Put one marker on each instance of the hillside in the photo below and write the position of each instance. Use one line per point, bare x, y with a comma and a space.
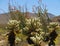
50, 15
56, 19
5, 17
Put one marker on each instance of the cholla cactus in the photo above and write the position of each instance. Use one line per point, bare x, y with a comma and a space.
33, 24
38, 38
13, 24
34, 28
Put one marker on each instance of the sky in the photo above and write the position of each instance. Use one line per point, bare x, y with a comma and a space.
53, 6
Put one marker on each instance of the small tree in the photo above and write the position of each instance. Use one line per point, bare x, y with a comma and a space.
13, 26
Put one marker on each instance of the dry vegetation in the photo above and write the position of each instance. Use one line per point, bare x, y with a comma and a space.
24, 26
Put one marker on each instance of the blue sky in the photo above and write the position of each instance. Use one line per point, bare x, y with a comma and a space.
53, 6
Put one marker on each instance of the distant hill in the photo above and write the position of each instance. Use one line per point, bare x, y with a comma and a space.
4, 18
56, 19
50, 15
34, 15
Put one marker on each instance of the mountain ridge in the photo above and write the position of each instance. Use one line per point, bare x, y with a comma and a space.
4, 18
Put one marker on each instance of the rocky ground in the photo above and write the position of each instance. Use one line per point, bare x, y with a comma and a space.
4, 42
